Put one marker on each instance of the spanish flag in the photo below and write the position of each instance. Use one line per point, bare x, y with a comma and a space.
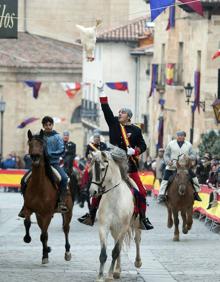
169, 74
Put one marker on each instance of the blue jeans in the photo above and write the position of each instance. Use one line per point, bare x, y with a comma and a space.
64, 177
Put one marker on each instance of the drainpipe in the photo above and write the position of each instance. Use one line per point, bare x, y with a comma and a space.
137, 89
25, 15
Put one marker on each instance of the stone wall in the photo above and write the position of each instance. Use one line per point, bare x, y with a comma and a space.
197, 34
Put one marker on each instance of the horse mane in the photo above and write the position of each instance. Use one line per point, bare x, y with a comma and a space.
120, 157
48, 169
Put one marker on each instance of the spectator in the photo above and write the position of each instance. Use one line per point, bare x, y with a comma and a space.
160, 165
27, 161
203, 168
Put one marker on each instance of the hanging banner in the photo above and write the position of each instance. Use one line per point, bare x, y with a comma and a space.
8, 19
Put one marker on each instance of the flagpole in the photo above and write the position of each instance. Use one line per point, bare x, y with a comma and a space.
192, 124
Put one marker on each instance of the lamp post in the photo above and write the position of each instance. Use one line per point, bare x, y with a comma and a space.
188, 91
2, 110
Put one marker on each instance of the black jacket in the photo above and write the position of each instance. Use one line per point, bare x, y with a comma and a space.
133, 132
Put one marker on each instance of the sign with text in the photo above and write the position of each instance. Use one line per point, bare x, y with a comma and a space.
8, 18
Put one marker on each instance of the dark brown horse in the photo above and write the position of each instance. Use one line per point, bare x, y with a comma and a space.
180, 198
41, 196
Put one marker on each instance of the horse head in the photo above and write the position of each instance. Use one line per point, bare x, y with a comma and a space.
36, 147
182, 180
99, 167
183, 162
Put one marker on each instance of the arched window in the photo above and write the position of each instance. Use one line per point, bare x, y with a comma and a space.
76, 116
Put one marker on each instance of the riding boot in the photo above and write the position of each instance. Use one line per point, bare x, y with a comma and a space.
145, 223
212, 200
196, 187
23, 190
89, 218
196, 197
62, 208
162, 197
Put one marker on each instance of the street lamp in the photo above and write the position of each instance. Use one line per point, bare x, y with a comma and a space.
2, 110
188, 91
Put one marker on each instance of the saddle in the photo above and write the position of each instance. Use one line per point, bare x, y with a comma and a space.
56, 175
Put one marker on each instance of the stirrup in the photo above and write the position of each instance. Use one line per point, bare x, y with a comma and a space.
86, 219
161, 199
145, 224
196, 197
62, 208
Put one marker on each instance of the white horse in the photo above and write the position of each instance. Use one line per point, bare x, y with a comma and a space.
116, 210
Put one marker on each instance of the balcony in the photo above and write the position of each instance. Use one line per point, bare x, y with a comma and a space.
89, 110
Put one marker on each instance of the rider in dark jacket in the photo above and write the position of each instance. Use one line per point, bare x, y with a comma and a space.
69, 152
134, 146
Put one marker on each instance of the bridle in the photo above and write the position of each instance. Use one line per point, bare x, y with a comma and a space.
101, 188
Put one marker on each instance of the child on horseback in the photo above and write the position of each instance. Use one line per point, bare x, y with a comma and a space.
54, 148
127, 136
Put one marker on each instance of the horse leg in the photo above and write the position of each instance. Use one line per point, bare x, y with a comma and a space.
103, 254
66, 228
137, 240
116, 251
117, 271
27, 224
176, 223
170, 219
184, 228
189, 221
43, 224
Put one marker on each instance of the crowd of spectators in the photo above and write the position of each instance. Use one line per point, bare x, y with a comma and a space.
206, 168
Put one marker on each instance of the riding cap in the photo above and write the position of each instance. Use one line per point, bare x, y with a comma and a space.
181, 133
66, 133
128, 111
96, 133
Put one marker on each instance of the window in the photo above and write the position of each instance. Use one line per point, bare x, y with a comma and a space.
76, 116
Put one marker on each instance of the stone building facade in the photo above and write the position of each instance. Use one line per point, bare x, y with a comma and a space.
33, 56
189, 46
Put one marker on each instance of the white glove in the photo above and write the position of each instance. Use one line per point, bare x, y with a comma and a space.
130, 151
100, 87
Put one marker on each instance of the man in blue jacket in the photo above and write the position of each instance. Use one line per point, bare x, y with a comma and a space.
55, 149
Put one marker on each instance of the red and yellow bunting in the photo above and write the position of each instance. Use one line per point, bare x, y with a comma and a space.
147, 179
213, 213
11, 177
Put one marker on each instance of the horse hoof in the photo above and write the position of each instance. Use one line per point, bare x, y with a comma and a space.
109, 279
170, 224
116, 275
27, 239
185, 230
100, 279
176, 238
45, 260
189, 227
49, 249
68, 256
138, 263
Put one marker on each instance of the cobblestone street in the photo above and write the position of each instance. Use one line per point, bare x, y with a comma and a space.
194, 258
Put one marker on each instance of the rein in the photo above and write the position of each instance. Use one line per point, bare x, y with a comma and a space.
100, 184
